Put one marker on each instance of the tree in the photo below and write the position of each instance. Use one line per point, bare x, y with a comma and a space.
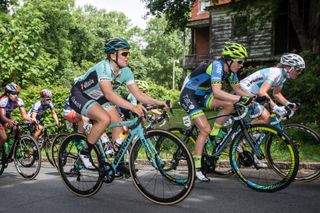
177, 12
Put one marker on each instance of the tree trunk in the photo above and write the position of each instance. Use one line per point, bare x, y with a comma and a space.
297, 22
314, 25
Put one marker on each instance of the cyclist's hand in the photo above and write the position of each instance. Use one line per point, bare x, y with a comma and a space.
58, 125
245, 100
139, 110
292, 106
280, 110
11, 123
262, 100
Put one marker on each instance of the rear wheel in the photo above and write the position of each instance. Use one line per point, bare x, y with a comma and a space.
155, 170
27, 157
77, 178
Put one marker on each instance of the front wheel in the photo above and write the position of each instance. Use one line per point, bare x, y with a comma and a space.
57, 141
307, 141
271, 166
27, 157
155, 170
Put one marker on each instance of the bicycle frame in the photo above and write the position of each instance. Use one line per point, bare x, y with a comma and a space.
136, 130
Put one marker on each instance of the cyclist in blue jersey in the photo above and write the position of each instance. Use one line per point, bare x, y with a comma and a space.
264, 80
9, 101
38, 109
204, 89
98, 87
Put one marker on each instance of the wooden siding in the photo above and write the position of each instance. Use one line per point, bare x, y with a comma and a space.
258, 43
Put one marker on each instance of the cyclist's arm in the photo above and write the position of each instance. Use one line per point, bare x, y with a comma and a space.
55, 117
4, 118
142, 97
113, 97
221, 94
24, 115
264, 89
278, 95
239, 91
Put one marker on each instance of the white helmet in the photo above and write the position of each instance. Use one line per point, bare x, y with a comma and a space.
293, 60
45, 93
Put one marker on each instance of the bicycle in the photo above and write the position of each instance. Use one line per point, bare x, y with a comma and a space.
147, 165
256, 152
307, 141
24, 151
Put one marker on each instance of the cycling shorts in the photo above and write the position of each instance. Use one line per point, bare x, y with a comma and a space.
81, 103
193, 104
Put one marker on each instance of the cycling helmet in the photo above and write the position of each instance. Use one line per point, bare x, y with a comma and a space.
293, 60
12, 87
234, 51
143, 85
115, 44
45, 93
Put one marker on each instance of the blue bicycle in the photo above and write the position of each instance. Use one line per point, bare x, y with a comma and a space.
152, 153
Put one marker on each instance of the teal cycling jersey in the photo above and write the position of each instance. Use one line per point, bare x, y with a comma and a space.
273, 75
89, 82
204, 76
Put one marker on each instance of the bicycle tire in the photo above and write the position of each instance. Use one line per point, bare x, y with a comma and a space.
221, 165
27, 156
47, 147
2, 164
307, 141
78, 180
266, 175
57, 141
176, 183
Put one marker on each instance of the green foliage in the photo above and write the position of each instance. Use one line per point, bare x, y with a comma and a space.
305, 88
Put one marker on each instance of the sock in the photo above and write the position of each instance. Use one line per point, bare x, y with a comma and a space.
215, 129
197, 161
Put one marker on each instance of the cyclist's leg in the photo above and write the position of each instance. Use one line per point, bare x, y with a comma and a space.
3, 136
226, 107
264, 118
37, 131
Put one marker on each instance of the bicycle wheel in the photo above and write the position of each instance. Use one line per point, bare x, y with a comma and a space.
307, 141
158, 175
27, 156
47, 147
2, 164
79, 180
279, 165
57, 141
220, 166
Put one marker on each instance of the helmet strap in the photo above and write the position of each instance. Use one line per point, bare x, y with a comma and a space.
289, 71
116, 61
229, 65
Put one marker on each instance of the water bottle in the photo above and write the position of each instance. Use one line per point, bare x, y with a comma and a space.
274, 121
106, 142
120, 140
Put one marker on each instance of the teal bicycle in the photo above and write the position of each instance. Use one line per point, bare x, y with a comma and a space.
148, 164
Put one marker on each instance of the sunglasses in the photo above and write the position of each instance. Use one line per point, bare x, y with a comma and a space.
298, 70
240, 62
125, 54
14, 93
47, 99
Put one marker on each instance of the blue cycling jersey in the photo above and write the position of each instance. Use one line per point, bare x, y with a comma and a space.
205, 75
39, 108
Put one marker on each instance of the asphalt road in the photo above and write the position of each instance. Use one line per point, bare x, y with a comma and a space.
47, 194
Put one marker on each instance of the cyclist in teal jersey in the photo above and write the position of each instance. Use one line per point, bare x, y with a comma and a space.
204, 89
262, 81
97, 87
9, 101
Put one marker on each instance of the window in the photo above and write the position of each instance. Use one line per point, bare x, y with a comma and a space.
203, 5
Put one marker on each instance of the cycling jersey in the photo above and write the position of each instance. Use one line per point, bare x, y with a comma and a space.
9, 106
87, 90
40, 109
273, 75
66, 107
196, 92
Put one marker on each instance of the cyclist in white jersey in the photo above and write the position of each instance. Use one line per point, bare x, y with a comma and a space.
264, 80
40, 107
97, 87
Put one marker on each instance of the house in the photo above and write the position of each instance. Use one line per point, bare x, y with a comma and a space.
213, 25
